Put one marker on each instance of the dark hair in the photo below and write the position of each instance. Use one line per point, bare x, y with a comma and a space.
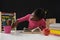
39, 13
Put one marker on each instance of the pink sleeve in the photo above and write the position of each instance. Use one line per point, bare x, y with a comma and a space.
43, 23
25, 18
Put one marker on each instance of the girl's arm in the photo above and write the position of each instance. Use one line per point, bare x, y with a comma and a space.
43, 24
25, 18
45, 30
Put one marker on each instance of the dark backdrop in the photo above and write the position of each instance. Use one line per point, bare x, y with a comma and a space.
23, 7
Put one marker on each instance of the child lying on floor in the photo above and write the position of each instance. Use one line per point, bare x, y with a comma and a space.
36, 20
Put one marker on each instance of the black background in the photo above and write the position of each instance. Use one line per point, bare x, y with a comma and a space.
23, 7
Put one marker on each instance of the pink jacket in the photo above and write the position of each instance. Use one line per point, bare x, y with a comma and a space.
33, 24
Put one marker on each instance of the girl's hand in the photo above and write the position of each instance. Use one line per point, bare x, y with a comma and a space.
46, 31
14, 24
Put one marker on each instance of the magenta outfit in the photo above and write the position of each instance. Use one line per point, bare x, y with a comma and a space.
33, 24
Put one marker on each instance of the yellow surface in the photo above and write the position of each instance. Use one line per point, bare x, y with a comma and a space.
57, 32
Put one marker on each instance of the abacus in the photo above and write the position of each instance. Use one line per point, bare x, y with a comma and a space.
5, 16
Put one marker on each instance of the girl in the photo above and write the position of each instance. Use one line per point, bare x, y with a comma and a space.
36, 20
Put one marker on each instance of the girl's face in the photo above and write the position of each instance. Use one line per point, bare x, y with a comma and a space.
34, 17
